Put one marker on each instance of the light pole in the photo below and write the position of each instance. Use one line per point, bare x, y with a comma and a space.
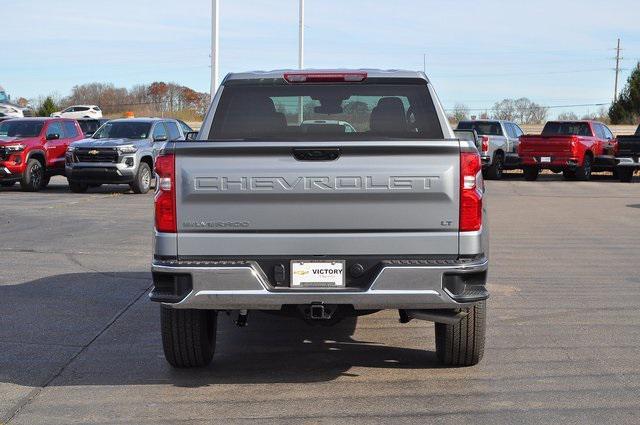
301, 56
301, 35
215, 26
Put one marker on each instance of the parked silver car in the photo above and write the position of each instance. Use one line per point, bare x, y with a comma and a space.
498, 142
120, 152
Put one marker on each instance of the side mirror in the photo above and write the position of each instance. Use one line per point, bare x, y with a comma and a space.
53, 136
160, 139
191, 135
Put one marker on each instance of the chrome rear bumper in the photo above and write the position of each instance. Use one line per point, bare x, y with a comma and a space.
628, 162
245, 286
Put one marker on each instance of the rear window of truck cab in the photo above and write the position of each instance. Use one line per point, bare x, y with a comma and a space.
342, 111
483, 128
566, 129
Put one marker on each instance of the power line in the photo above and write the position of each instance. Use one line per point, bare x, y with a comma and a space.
536, 106
575, 71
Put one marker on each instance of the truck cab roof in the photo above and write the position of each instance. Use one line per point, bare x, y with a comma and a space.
278, 74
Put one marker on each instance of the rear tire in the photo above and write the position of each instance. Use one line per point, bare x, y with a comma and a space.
494, 172
142, 183
584, 173
462, 344
188, 336
33, 176
77, 187
531, 173
625, 174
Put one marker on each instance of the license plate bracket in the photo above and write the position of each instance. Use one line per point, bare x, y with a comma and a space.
322, 274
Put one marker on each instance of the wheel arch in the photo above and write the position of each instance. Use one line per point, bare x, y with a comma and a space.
588, 153
147, 159
38, 154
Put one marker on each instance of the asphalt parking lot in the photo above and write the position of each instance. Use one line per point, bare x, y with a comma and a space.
80, 342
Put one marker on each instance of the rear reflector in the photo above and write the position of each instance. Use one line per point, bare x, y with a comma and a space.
325, 77
165, 199
471, 192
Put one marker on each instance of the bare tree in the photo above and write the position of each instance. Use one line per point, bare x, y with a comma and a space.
538, 115
523, 111
602, 115
504, 110
567, 116
459, 113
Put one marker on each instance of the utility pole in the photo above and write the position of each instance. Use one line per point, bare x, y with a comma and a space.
301, 35
615, 89
424, 63
301, 56
215, 27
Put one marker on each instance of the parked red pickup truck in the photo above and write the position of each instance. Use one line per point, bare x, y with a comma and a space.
574, 147
33, 149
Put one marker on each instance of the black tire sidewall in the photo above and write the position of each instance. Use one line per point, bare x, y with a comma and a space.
27, 183
494, 172
531, 173
626, 175
584, 173
188, 336
138, 185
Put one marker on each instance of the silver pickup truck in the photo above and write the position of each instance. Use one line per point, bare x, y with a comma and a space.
263, 213
498, 145
121, 151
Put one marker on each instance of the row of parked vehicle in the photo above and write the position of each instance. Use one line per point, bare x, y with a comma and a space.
92, 152
89, 152
573, 148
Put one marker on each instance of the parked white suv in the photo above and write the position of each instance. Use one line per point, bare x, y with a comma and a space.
79, 111
11, 111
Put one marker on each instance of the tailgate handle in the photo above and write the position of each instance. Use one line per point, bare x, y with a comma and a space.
316, 154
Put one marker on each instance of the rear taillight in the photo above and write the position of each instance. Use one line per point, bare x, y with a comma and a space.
165, 199
325, 77
574, 143
471, 191
485, 143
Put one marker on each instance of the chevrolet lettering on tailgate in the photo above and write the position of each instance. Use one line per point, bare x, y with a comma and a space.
315, 183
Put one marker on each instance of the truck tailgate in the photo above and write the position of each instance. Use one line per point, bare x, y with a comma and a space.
248, 198
629, 146
533, 145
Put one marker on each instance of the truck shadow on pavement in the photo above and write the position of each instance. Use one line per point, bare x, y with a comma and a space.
63, 188
101, 329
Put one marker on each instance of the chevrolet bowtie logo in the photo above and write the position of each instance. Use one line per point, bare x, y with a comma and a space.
93, 152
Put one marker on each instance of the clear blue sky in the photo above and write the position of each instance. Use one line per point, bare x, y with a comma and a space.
478, 52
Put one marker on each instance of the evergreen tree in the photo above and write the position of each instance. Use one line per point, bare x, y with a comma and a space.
626, 110
47, 108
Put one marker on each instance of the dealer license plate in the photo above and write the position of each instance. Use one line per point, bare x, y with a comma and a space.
545, 159
317, 274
